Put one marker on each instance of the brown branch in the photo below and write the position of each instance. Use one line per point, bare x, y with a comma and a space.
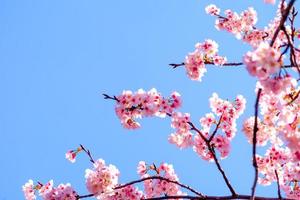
106, 96
212, 151
199, 195
254, 141
213, 197
84, 196
175, 65
216, 129
278, 185
282, 21
163, 179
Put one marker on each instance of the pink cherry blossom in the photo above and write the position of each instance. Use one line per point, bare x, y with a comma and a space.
263, 61
142, 168
131, 106
205, 53
157, 187
28, 190
212, 9
270, 1
129, 193
102, 178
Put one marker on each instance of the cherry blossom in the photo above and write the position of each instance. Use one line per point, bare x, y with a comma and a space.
28, 190
143, 104
157, 187
263, 61
205, 53
102, 178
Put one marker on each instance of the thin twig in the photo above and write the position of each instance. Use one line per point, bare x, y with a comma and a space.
106, 96
216, 129
254, 141
88, 153
175, 65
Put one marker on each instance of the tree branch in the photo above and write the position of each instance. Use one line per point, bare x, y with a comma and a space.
278, 185
213, 197
175, 65
283, 19
163, 179
254, 141
212, 151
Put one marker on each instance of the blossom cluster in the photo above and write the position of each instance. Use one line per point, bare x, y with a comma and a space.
263, 61
228, 113
279, 127
182, 138
277, 160
238, 24
158, 187
142, 104
102, 179
49, 192
205, 53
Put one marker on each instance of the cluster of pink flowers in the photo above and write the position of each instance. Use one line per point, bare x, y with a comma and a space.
219, 142
183, 138
270, 1
279, 159
278, 84
29, 190
205, 53
228, 113
158, 187
102, 179
281, 115
212, 10
142, 104
48, 192
129, 193
280, 127
71, 154
263, 61
235, 23
264, 133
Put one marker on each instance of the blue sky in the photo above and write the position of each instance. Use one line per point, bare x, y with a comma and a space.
59, 56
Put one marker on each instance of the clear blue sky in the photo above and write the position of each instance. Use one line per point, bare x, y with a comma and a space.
58, 56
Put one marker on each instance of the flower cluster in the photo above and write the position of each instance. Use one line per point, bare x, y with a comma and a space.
142, 104
182, 137
228, 113
263, 61
71, 154
235, 23
212, 10
279, 159
48, 192
158, 187
129, 193
102, 179
205, 53
264, 133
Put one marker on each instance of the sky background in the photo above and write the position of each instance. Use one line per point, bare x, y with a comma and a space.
59, 56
